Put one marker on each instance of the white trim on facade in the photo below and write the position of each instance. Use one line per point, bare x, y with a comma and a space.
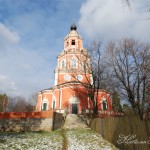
69, 87
60, 99
41, 103
74, 100
53, 102
56, 78
103, 100
45, 100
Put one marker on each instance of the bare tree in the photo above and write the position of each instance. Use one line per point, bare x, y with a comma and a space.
11, 104
98, 73
126, 2
94, 72
33, 99
145, 8
116, 102
129, 62
19, 104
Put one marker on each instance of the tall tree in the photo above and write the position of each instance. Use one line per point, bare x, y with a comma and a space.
93, 65
129, 62
116, 105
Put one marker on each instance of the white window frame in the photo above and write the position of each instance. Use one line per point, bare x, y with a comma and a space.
54, 100
45, 100
74, 63
103, 100
63, 64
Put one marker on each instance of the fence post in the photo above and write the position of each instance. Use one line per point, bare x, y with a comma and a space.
53, 122
101, 128
147, 129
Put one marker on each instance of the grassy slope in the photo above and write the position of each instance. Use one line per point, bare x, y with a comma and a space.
65, 139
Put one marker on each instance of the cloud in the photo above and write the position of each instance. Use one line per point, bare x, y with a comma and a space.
26, 66
31, 37
2, 77
21, 69
9, 40
8, 36
111, 20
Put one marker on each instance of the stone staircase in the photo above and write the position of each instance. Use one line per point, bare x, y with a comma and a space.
73, 121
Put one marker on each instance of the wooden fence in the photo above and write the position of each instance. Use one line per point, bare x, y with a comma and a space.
127, 133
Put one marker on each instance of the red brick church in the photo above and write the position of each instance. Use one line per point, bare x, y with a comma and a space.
68, 91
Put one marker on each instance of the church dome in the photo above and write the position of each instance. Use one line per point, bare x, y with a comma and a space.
73, 27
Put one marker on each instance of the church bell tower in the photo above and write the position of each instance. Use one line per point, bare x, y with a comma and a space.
73, 61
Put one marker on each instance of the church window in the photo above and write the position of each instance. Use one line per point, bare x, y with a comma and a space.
73, 42
104, 103
63, 64
74, 63
104, 106
53, 102
44, 106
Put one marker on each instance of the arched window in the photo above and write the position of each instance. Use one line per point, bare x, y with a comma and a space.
53, 102
103, 103
45, 104
63, 64
74, 63
73, 42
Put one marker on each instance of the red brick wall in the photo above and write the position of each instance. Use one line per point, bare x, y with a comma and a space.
13, 115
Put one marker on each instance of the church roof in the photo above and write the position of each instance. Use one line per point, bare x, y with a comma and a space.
73, 32
48, 89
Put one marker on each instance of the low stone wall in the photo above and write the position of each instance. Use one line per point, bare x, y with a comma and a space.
26, 121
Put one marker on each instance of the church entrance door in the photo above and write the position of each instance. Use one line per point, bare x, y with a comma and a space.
74, 108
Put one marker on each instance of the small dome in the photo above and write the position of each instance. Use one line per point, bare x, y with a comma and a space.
73, 27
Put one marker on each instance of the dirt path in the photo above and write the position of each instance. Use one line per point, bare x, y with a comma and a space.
65, 141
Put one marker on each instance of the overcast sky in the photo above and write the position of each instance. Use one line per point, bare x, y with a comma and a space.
32, 34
